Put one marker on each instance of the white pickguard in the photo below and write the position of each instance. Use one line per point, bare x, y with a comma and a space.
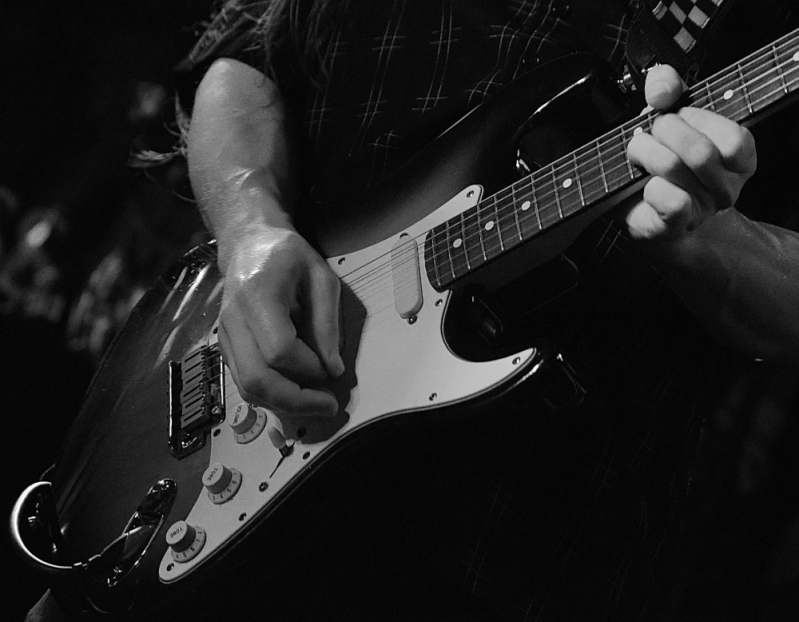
399, 365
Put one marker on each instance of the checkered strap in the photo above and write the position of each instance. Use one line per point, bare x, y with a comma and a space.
685, 20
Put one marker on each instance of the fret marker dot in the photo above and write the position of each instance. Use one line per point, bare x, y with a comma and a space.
796, 57
728, 94
525, 206
457, 243
567, 183
489, 225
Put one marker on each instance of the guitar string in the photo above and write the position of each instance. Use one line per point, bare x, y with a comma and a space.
377, 277
548, 188
765, 56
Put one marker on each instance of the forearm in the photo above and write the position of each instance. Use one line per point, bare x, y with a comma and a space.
741, 279
240, 153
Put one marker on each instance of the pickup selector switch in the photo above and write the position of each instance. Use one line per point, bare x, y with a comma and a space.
185, 541
221, 482
247, 423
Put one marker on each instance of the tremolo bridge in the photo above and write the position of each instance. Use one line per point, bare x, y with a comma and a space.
196, 399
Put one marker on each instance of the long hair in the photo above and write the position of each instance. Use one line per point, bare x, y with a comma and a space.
301, 29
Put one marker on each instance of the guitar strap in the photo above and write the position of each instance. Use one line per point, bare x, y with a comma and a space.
672, 32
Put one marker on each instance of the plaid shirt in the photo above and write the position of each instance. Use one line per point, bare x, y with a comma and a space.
573, 518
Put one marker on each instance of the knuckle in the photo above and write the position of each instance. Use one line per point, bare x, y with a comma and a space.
701, 153
278, 351
672, 165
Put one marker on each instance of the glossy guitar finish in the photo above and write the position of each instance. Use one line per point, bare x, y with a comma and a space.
442, 223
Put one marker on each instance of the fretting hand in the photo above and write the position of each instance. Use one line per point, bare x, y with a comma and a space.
699, 161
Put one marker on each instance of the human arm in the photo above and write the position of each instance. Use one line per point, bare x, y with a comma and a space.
739, 277
279, 316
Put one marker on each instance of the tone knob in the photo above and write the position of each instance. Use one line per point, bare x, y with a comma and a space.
185, 541
247, 423
221, 482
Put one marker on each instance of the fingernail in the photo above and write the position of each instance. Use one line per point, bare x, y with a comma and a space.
336, 364
659, 93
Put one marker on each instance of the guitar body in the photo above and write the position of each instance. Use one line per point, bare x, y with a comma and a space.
403, 379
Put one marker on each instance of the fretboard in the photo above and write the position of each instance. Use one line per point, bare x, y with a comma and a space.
593, 174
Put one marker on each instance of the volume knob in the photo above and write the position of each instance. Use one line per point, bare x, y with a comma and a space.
221, 482
185, 541
247, 423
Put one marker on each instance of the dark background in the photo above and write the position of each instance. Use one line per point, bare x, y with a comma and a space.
83, 84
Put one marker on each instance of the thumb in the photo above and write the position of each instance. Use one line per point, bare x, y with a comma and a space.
663, 87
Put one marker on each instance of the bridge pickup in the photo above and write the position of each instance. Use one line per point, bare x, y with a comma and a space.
196, 399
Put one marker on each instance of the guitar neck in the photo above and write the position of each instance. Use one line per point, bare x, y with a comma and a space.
590, 176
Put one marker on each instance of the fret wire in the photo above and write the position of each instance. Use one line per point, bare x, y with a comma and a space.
742, 80
449, 242
555, 191
464, 240
603, 174
480, 233
777, 68
577, 178
516, 212
498, 225
435, 243
786, 81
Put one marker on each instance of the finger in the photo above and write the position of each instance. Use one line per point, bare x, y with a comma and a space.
324, 292
261, 385
665, 210
651, 154
281, 347
663, 87
735, 143
674, 206
699, 154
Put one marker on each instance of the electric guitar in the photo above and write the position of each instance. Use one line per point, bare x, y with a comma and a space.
167, 476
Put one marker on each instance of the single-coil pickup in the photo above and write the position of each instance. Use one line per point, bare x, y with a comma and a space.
406, 277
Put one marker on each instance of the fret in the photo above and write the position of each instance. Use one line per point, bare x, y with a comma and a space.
505, 209
577, 180
515, 207
489, 229
529, 217
778, 68
555, 193
601, 167
765, 81
593, 185
744, 89
710, 97
787, 56
617, 169
437, 255
567, 194
455, 248
727, 92
472, 238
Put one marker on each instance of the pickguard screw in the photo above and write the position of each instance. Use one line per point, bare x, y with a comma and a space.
412, 319
242, 516
263, 486
433, 397
517, 360
439, 302
341, 261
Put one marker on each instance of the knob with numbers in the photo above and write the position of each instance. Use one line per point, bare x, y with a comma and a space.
185, 541
221, 482
247, 423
